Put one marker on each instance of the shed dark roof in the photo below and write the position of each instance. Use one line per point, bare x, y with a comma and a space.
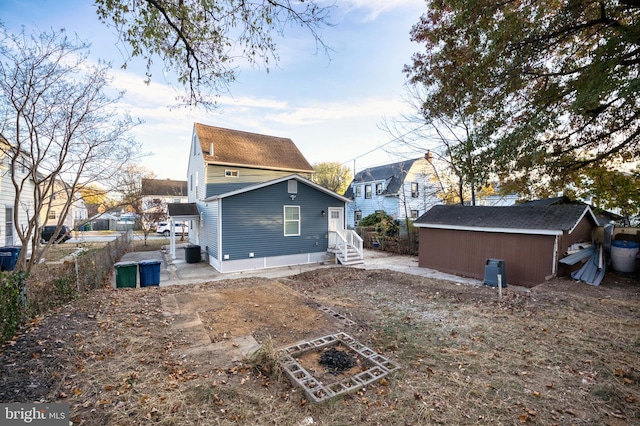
182, 209
553, 218
235, 147
164, 187
548, 201
603, 216
395, 173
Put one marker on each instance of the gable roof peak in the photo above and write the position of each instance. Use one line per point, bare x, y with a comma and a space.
240, 148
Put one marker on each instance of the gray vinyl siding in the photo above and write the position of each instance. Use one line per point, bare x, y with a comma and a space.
209, 229
195, 171
253, 222
218, 183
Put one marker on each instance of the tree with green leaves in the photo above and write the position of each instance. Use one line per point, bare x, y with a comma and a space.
202, 41
611, 189
333, 176
551, 87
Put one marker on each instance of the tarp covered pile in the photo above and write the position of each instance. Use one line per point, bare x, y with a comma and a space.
593, 269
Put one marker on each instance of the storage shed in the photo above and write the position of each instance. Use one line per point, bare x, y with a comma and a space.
530, 239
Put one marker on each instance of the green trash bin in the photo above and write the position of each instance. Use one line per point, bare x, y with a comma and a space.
126, 273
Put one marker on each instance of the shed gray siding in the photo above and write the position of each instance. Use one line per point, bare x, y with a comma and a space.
209, 228
218, 183
253, 222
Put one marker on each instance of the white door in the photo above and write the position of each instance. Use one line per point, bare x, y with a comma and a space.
336, 224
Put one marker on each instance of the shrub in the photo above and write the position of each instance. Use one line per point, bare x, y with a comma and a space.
12, 302
384, 225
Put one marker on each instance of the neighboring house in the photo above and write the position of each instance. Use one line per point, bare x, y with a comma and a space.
253, 205
496, 198
161, 192
77, 214
403, 189
8, 222
104, 222
530, 239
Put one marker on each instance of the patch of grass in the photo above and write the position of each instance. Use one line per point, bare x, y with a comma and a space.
267, 361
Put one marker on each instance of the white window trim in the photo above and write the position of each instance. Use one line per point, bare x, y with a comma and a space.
285, 221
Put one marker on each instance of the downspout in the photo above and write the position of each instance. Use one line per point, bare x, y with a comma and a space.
172, 239
554, 267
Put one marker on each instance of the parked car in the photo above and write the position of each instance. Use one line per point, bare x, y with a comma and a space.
165, 229
47, 233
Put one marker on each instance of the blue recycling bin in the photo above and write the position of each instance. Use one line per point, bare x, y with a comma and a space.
9, 258
149, 272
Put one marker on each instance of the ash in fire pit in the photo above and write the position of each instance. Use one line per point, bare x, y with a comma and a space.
336, 361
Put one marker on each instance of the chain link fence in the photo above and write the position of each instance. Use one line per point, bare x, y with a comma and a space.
51, 285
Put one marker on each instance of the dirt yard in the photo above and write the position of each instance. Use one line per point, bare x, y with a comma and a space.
562, 353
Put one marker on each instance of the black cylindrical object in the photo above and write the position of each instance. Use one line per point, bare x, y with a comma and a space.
192, 254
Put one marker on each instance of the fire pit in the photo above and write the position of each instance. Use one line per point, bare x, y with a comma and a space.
333, 365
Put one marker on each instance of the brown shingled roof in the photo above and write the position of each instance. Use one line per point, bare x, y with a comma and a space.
234, 147
167, 187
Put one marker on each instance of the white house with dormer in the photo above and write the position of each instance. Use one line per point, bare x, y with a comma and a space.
406, 189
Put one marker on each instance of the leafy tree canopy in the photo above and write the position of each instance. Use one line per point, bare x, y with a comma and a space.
200, 40
333, 176
550, 86
612, 190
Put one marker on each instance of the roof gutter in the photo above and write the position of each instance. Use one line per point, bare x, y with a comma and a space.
489, 229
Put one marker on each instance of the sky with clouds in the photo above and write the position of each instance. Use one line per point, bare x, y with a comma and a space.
332, 107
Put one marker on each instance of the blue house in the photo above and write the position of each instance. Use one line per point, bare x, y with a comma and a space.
405, 189
253, 204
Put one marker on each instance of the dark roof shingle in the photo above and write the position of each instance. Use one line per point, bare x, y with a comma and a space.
395, 173
182, 209
556, 218
235, 147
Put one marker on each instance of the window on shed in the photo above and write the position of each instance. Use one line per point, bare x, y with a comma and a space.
357, 216
231, 173
414, 190
291, 221
378, 188
367, 191
358, 190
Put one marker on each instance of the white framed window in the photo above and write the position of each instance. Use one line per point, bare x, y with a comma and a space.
291, 221
414, 190
357, 216
358, 191
367, 191
414, 214
231, 173
378, 188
